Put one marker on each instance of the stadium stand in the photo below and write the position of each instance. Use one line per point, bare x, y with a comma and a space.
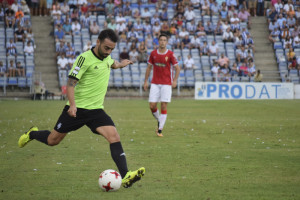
131, 20
283, 18
16, 59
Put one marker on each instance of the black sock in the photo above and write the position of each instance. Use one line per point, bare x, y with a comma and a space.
41, 136
119, 157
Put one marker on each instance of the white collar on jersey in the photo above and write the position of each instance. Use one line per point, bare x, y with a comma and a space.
162, 53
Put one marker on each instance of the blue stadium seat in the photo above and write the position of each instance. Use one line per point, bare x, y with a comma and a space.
22, 82
12, 81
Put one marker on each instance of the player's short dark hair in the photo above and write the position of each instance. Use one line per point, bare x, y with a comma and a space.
163, 35
110, 34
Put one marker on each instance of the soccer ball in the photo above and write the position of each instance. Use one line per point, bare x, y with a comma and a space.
110, 180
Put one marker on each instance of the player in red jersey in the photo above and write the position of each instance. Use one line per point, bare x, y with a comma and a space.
162, 60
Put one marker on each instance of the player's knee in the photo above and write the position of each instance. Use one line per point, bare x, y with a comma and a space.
53, 142
153, 107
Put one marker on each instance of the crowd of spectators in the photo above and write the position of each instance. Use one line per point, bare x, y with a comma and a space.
284, 19
198, 30
17, 41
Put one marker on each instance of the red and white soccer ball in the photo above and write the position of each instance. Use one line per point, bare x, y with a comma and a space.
110, 180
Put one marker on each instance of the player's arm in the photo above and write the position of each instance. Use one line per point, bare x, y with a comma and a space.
177, 71
70, 94
122, 64
147, 74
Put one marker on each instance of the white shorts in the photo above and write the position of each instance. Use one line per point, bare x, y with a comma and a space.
160, 93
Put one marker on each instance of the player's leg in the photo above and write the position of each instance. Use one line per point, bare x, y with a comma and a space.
154, 97
166, 94
103, 125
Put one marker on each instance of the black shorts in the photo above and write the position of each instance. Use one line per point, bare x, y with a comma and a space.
92, 118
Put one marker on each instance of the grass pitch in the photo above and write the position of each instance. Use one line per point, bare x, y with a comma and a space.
213, 150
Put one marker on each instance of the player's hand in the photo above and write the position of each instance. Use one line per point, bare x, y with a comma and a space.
72, 111
126, 62
174, 84
145, 86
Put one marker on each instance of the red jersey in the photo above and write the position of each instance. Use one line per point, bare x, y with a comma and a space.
162, 66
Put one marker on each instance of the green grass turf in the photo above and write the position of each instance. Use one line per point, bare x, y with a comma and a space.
211, 150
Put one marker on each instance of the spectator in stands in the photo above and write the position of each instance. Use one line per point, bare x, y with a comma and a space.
74, 15
142, 50
62, 62
218, 29
156, 28
132, 36
19, 35
84, 9
274, 36
133, 55
273, 25
186, 42
76, 28
292, 64
149, 41
209, 28
10, 20
112, 25
243, 69
61, 49
67, 28
241, 54
28, 49
65, 8
94, 28
280, 21
204, 50
190, 27
124, 54
146, 14
97, 7
11, 48
298, 63
69, 51
71, 61
189, 63
258, 76
291, 21
195, 42
189, 14
291, 55
225, 74
227, 36
3, 71
20, 69
123, 37
215, 70
165, 29
295, 32
223, 61
285, 33
244, 16
251, 68
109, 7
213, 48
249, 43
127, 10
87, 46
296, 42
121, 27
183, 33
29, 36
59, 34
297, 15
234, 70
287, 42
205, 9
24, 7
55, 11
43, 7
11, 69
19, 13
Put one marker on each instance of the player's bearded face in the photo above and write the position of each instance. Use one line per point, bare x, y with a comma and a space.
105, 48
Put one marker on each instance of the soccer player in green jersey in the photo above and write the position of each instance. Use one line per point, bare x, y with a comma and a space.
86, 89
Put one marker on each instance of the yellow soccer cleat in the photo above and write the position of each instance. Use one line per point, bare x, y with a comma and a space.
132, 177
24, 139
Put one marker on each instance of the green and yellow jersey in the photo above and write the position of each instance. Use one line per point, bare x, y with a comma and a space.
92, 74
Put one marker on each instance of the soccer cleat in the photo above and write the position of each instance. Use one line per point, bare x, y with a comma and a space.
158, 133
132, 177
24, 139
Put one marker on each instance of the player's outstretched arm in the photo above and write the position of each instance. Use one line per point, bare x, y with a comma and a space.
147, 74
177, 71
122, 64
